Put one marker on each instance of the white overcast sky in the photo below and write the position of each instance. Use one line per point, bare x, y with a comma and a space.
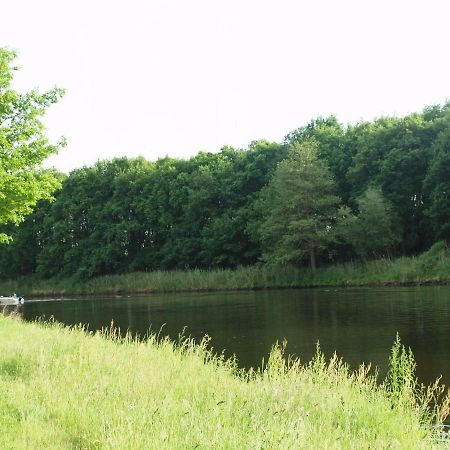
172, 77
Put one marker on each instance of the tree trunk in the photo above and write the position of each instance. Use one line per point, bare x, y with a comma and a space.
312, 255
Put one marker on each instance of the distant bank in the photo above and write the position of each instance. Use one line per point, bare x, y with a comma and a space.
432, 267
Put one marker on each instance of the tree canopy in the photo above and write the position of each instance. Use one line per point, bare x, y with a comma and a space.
372, 231
23, 147
300, 208
437, 184
268, 203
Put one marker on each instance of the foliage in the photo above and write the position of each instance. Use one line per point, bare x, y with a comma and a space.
124, 215
401, 380
437, 257
226, 209
300, 207
23, 147
437, 183
395, 154
332, 148
405, 390
372, 230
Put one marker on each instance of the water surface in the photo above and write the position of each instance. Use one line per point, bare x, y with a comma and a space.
359, 323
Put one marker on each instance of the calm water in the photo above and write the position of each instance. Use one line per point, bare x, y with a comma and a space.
360, 324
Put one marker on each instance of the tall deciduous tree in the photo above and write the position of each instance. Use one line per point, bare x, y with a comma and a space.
437, 183
23, 147
301, 208
373, 230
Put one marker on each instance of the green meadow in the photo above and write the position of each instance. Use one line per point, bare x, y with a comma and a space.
65, 388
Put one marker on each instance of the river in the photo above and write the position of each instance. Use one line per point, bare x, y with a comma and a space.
360, 324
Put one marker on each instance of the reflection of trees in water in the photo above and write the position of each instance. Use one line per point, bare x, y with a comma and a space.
359, 323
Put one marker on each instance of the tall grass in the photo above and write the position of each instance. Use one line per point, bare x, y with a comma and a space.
430, 267
63, 388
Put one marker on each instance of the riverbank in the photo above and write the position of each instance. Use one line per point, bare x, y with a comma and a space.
432, 267
63, 388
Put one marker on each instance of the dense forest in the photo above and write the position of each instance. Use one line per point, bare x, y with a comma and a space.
327, 193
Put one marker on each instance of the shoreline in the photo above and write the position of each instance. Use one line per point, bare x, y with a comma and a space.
119, 293
254, 289
64, 288
429, 268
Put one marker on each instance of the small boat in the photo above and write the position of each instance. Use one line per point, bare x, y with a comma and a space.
13, 300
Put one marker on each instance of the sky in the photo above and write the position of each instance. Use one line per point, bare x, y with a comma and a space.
174, 77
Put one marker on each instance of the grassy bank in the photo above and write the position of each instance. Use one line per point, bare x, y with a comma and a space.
430, 267
62, 388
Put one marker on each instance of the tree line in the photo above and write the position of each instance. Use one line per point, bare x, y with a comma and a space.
327, 193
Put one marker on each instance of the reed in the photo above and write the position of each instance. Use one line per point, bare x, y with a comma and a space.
64, 388
430, 267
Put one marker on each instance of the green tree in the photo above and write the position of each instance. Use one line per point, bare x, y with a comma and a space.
23, 147
301, 208
19, 258
437, 183
373, 230
93, 227
330, 137
394, 153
